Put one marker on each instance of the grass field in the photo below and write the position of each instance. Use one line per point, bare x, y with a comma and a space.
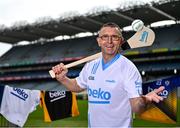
36, 119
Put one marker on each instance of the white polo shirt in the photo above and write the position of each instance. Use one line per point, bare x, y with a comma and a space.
109, 87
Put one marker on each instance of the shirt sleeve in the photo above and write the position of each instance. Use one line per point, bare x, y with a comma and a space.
133, 83
82, 78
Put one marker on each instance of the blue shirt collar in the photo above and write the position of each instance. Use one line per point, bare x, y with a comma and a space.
104, 66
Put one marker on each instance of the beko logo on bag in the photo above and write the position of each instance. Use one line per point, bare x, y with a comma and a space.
101, 96
57, 95
20, 93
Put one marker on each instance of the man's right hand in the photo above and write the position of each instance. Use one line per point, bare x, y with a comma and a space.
60, 71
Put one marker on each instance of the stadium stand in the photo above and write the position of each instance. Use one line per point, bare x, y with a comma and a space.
23, 64
168, 37
27, 66
51, 51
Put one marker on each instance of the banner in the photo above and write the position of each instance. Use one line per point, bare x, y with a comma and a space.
166, 110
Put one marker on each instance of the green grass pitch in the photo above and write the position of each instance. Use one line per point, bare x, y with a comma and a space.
35, 119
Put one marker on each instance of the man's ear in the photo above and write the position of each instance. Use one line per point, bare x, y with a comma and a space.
122, 40
98, 41
99, 44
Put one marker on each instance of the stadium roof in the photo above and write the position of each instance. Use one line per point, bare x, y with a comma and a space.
50, 28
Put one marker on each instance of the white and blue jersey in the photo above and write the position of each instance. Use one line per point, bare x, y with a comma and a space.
109, 87
18, 103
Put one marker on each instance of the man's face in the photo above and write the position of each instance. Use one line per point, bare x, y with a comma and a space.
109, 40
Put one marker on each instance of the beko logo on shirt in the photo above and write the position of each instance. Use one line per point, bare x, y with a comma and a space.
103, 97
57, 95
20, 93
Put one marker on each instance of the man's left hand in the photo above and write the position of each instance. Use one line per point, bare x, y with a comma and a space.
153, 96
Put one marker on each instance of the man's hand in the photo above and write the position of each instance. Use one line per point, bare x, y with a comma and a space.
139, 104
60, 71
153, 96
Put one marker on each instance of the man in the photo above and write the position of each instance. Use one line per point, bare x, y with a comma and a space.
112, 81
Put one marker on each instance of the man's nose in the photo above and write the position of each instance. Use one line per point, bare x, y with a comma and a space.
110, 39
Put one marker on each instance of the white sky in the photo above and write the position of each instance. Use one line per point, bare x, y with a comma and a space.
16, 10
12, 11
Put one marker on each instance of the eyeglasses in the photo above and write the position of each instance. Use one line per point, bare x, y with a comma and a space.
113, 37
